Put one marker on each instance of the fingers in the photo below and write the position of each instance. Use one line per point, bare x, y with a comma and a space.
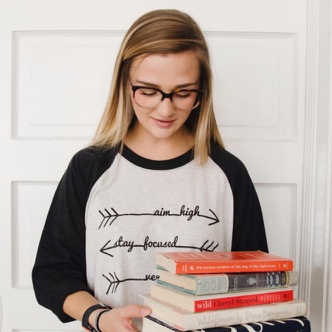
134, 311
120, 319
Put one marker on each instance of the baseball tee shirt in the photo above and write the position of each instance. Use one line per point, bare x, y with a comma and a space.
114, 210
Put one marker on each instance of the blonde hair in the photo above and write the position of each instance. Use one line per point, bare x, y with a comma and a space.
161, 31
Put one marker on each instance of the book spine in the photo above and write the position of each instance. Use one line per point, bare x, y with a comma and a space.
208, 319
232, 267
245, 315
212, 285
232, 282
244, 281
204, 287
296, 324
242, 300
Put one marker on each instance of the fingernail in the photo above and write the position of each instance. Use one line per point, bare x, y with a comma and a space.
145, 311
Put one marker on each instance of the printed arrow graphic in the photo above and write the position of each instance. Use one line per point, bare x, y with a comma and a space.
110, 216
107, 248
114, 281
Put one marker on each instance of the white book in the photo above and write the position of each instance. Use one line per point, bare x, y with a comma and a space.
187, 320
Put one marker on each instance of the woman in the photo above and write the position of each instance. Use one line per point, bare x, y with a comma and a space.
155, 178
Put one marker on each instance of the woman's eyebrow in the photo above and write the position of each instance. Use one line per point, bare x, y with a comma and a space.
152, 85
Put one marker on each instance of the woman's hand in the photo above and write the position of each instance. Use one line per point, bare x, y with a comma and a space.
120, 319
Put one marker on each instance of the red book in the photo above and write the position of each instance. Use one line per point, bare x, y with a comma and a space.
199, 303
222, 262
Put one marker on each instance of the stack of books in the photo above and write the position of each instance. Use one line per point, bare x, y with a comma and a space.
225, 291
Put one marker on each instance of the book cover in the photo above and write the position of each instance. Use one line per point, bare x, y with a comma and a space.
222, 262
186, 320
296, 324
213, 283
199, 303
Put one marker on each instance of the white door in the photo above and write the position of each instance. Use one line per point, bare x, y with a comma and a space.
55, 69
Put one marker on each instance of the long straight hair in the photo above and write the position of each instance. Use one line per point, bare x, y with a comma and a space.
163, 31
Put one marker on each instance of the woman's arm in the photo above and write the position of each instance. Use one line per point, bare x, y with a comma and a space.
60, 265
115, 320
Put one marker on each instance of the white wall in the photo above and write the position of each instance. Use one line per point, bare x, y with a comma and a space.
318, 167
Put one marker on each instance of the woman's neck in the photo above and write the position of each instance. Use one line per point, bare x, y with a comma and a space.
159, 149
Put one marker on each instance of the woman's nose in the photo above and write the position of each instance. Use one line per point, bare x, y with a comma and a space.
166, 108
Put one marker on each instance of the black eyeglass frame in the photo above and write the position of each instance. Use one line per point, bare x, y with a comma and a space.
170, 95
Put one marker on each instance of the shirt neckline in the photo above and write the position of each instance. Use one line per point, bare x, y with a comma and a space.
167, 164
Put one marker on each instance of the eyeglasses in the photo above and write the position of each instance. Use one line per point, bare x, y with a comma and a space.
183, 99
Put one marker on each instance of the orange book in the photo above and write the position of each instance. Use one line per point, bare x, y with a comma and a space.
222, 262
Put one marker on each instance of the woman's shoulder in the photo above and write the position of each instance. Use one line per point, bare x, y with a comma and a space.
234, 169
93, 158
95, 153
224, 158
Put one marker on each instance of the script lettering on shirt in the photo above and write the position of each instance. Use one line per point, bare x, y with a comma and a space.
159, 244
121, 243
189, 212
162, 212
151, 277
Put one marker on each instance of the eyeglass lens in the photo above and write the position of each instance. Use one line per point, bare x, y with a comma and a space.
181, 99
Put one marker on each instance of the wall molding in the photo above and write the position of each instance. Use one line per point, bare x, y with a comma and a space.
316, 234
30, 203
275, 119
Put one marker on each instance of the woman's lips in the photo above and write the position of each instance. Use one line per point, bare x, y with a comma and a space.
164, 123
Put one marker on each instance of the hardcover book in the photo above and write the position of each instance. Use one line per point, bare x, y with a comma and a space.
201, 284
296, 324
222, 262
187, 320
198, 303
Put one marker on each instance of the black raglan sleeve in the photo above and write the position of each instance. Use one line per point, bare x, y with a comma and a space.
60, 265
248, 224
249, 229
